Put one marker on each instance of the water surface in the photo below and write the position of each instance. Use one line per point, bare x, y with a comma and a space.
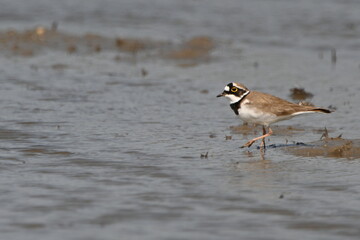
106, 143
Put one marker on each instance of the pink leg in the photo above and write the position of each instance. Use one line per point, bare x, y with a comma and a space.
249, 143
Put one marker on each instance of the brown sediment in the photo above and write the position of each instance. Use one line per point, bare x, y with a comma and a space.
328, 147
335, 147
71, 49
31, 42
193, 50
129, 45
97, 48
299, 94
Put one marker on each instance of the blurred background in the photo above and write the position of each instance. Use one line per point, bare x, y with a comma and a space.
110, 128
308, 24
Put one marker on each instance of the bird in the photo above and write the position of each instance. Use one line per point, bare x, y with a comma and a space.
262, 108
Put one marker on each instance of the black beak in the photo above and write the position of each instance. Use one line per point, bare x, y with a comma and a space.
221, 95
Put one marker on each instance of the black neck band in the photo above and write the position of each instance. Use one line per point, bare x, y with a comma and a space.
236, 105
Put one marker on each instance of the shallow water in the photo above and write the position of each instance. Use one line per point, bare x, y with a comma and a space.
116, 144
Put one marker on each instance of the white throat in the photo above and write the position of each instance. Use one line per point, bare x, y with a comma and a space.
234, 99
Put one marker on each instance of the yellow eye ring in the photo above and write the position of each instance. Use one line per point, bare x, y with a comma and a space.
234, 89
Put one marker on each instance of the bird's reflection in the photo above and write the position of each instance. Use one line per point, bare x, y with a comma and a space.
256, 172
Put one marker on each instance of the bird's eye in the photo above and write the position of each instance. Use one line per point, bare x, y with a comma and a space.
234, 89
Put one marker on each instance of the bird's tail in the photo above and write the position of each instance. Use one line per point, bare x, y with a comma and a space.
321, 110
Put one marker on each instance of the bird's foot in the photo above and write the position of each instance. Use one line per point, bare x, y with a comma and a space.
248, 144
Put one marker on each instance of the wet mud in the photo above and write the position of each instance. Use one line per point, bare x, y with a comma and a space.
331, 147
328, 147
31, 42
193, 51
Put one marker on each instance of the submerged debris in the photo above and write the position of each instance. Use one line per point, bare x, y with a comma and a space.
212, 135
228, 137
300, 94
144, 72
326, 136
333, 56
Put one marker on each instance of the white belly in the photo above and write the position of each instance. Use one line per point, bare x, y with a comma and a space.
251, 115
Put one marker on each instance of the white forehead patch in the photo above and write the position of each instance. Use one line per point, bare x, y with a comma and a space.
238, 86
227, 88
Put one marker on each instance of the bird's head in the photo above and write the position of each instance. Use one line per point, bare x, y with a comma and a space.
234, 91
